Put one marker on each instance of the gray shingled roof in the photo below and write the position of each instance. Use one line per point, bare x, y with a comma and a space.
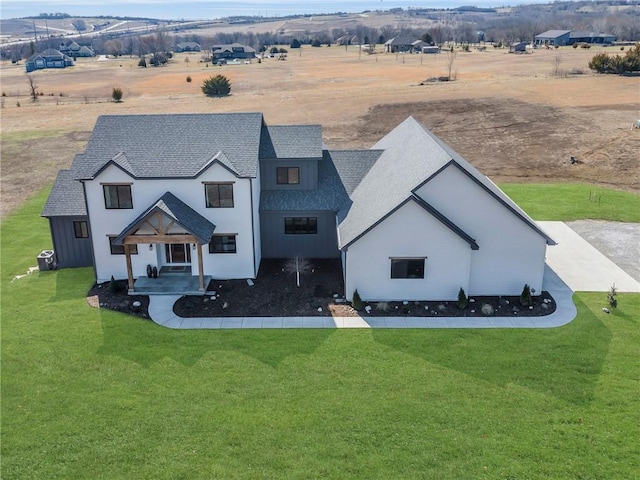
175, 145
353, 165
66, 197
291, 141
412, 154
178, 211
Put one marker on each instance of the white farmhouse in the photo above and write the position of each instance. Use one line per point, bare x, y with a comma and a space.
211, 195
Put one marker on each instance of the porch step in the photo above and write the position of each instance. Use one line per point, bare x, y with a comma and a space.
169, 285
174, 270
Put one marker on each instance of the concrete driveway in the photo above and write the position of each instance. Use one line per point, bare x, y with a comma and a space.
581, 266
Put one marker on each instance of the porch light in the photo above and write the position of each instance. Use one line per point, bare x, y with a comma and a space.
193, 246
151, 246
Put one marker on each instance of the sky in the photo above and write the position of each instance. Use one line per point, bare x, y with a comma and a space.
207, 9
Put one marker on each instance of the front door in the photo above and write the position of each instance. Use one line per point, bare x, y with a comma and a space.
177, 253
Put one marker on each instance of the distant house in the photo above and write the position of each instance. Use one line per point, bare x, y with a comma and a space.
50, 58
74, 50
347, 40
553, 38
409, 218
431, 49
231, 52
518, 47
187, 47
400, 44
591, 37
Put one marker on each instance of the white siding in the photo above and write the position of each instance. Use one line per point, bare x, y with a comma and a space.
511, 253
236, 220
255, 185
409, 232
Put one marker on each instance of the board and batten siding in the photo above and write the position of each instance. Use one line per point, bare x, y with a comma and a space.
277, 244
308, 174
70, 251
409, 232
511, 252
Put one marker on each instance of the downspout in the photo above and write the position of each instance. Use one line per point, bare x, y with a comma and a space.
253, 233
93, 253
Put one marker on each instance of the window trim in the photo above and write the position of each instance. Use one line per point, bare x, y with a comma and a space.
288, 175
222, 244
217, 184
132, 251
81, 227
294, 231
118, 207
407, 259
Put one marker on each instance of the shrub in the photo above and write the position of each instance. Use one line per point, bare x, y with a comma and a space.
282, 50
142, 62
585, 45
188, 78
316, 43
356, 301
295, 43
463, 301
383, 306
216, 86
116, 94
575, 45
113, 285
630, 62
487, 310
611, 296
273, 50
525, 296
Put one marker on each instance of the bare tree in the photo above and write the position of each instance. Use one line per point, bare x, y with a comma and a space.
33, 88
451, 58
298, 266
557, 61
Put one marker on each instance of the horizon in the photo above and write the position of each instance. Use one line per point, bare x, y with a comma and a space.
204, 10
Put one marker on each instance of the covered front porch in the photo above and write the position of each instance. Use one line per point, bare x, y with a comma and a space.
171, 281
172, 224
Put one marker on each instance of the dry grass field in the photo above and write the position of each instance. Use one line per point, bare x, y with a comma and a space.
510, 115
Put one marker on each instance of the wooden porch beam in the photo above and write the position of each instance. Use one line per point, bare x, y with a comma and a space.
200, 268
137, 239
127, 254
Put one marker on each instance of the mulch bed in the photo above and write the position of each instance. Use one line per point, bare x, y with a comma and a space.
274, 294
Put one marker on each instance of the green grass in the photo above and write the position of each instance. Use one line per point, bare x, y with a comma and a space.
574, 201
89, 393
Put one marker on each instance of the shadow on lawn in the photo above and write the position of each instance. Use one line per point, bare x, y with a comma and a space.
563, 362
145, 343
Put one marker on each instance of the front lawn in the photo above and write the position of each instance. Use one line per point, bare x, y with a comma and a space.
90, 393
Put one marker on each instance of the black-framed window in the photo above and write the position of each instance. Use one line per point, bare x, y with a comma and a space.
288, 175
222, 244
301, 225
119, 249
117, 196
81, 229
219, 195
407, 268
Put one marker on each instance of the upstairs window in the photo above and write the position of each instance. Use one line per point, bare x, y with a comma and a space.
117, 196
300, 225
80, 229
222, 244
219, 195
407, 267
288, 175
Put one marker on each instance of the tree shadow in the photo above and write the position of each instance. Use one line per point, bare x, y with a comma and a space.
562, 362
145, 343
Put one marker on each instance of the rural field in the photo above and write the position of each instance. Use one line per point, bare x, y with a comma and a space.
510, 115
92, 393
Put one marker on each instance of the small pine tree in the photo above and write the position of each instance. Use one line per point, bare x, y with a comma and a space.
116, 94
611, 296
525, 296
216, 86
142, 62
188, 78
356, 301
463, 301
113, 285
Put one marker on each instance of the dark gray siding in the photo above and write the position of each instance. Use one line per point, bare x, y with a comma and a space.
276, 244
69, 250
308, 174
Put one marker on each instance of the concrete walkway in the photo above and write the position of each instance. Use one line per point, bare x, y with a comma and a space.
161, 312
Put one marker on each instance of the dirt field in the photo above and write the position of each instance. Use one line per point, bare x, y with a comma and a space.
507, 114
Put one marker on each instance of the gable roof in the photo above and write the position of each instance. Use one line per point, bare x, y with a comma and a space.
179, 212
553, 33
173, 146
66, 198
401, 40
291, 141
412, 156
